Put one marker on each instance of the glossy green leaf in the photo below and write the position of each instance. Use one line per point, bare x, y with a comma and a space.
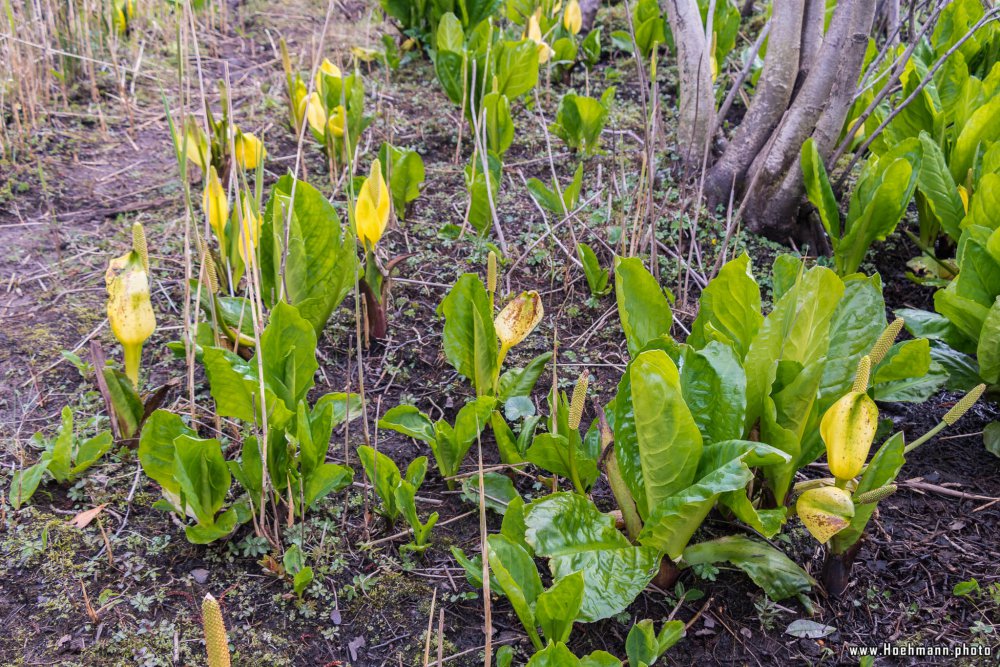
670, 443
325, 479
672, 521
714, 387
989, 345
317, 268
522, 381
24, 483
598, 278
89, 451
936, 183
499, 491
557, 607
409, 421
644, 646
519, 581
575, 536
858, 320
202, 474
729, 308
554, 655
818, 189
642, 307
403, 170
156, 448
467, 307
383, 474
767, 567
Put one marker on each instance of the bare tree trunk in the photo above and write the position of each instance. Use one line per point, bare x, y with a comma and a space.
697, 101
812, 37
820, 106
588, 8
770, 101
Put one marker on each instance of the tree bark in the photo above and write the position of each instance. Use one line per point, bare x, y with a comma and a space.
588, 8
696, 113
820, 106
812, 37
770, 101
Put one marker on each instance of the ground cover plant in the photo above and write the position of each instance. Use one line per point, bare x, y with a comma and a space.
534, 332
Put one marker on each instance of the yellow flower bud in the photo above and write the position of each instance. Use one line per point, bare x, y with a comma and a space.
250, 224
825, 511
518, 319
848, 429
216, 206
196, 145
314, 113
298, 99
371, 211
326, 68
130, 311
534, 33
573, 18
963, 194
337, 121
249, 150
216, 642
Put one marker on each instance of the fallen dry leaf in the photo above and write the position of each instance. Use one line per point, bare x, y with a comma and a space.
83, 519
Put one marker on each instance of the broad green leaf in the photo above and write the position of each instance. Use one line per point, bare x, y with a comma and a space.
91, 450
644, 310
203, 533
518, 578
908, 374
288, 348
499, 124
714, 388
470, 422
236, 390
980, 128
156, 448
937, 185
598, 278
202, 474
729, 308
403, 170
576, 536
991, 438
521, 381
409, 421
644, 647
673, 520
127, 405
499, 491
317, 268
61, 454
819, 191
858, 321
767, 567
249, 470
878, 213
989, 345
325, 479
24, 483
797, 330
557, 607
383, 474
466, 308
670, 443
516, 67
554, 655
881, 470
925, 324
600, 658
984, 209
551, 453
